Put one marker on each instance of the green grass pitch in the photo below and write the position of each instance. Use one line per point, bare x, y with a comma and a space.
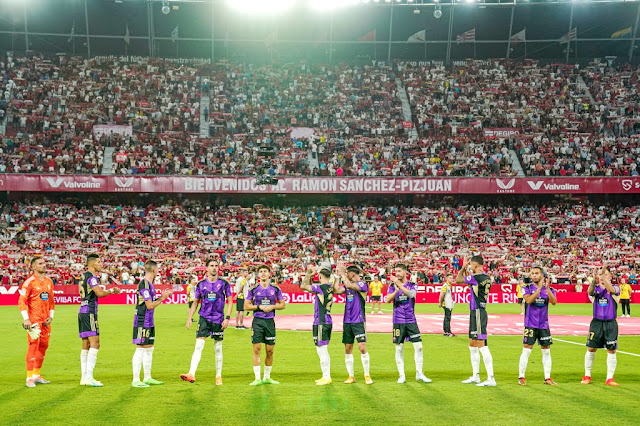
297, 400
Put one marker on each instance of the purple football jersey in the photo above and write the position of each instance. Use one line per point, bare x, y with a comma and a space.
262, 296
143, 316
403, 305
354, 304
479, 287
605, 306
537, 314
213, 296
322, 303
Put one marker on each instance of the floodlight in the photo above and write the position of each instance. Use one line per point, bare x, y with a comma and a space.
165, 7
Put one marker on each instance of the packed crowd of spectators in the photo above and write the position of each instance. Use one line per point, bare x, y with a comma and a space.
568, 238
320, 119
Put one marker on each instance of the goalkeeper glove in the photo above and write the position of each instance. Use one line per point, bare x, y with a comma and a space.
34, 331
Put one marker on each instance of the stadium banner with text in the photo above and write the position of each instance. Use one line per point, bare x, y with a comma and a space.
316, 185
501, 132
500, 293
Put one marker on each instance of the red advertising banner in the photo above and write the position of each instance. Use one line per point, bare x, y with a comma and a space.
316, 185
407, 125
68, 295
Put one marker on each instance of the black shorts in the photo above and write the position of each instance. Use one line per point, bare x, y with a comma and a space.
603, 334
356, 331
263, 331
209, 329
144, 335
376, 298
239, 305
190, 303
478, 324
406, 333
520, 300
324, 332
541, 335
88, 325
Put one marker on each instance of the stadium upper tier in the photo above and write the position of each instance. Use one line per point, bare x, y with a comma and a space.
342, 120
567, 237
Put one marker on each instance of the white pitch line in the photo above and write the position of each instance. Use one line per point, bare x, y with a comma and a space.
582, 344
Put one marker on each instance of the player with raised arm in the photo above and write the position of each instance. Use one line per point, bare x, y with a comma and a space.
264, 298
88, 329
144, 331
537, 296
322, 322
354, 322
402, 293
37, 307
213, 293
603, 331
479, 288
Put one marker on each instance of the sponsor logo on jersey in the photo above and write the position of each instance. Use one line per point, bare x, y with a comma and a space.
44, 295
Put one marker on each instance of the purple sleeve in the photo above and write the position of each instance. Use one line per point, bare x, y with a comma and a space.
553, 290
93, 281
279, 296
617, 289
391, 289
197, 294
471, 280
146, 294
363, 286
526, 290
227, 290
412, 286
315, 288
250, 295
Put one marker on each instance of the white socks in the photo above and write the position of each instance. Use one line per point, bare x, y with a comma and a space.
524, 360
348, 360
612, 361
92, 358
418, 357
488, 360
325, 361
256, 371
84, 353
217, 346
400, 359
195, 358
267, 372
475, 360
546, 363
588, 362
136, 362
147, 358
365, 363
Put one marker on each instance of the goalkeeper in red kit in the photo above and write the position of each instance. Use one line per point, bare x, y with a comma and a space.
36, 306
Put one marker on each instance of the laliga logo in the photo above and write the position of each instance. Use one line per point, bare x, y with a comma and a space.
124, 185
628, 184
506, 187
55, 182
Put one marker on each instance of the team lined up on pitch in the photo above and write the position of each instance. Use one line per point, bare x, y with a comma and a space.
214, 295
